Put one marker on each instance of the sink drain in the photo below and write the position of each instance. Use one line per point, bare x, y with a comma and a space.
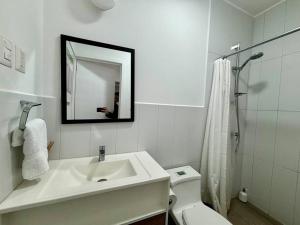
102, 180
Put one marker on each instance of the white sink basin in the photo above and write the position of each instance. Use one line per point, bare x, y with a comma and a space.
104, 171
84, 174
76, 178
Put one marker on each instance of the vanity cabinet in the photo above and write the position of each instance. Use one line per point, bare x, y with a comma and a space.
139, 196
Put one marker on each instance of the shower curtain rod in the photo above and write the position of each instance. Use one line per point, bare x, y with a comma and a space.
262, 43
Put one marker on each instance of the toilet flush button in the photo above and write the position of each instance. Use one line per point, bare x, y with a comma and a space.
180, 173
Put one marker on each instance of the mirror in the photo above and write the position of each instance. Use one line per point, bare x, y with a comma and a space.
97, 82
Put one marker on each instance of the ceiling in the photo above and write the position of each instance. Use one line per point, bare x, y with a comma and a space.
254, 7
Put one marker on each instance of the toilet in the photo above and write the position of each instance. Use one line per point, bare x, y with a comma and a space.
189, 209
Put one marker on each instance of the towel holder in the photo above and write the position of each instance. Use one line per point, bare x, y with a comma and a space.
27, 106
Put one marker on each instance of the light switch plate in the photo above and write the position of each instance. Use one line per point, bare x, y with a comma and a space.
6, 51
20, 60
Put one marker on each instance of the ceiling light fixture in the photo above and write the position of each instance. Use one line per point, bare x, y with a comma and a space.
104, 4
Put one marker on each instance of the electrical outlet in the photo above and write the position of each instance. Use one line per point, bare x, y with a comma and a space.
6, 51
20, 60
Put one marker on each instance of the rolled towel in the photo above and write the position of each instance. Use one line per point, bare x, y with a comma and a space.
35, 151
17, 138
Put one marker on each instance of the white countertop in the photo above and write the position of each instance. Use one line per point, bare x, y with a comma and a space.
50, 189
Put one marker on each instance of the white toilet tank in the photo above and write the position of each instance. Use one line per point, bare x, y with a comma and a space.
186, 184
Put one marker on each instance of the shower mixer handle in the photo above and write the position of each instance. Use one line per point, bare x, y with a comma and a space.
237, 94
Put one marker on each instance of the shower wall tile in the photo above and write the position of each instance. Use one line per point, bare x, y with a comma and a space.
237, 162
250, 131
270, 81
273, 49
103, 135
173, 135
247, 173
289, 89
166, 125
258, 30
127, 137
243, 117
187, 135
261, 184
274, 25
258, 34
297, 205
127, 134
291, 43
236, 28
287, 150
243, 81
254, 86
148, 129
274, 21
283, 193
75, 141
274, 98
292, 14
265, 135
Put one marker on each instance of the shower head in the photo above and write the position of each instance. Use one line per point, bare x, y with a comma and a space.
257, 56
253, 57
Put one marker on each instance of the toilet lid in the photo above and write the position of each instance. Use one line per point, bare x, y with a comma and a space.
202, 215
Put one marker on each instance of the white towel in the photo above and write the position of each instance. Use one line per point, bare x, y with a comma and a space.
35, 151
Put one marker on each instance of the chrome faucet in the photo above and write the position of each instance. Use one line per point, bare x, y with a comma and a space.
101, 153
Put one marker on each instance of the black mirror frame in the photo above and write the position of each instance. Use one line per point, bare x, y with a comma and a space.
63, 41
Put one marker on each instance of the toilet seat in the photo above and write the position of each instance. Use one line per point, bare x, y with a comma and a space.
201, 214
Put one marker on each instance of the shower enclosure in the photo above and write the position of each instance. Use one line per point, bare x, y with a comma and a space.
267, 130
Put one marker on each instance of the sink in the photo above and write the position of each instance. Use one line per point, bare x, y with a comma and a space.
73, 176
104, 171
106, 189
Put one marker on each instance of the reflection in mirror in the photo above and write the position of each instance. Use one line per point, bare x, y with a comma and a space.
98, 82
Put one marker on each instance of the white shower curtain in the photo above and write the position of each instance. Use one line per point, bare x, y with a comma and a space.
216, 154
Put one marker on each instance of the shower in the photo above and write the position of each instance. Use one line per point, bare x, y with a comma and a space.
237, 70
253, 57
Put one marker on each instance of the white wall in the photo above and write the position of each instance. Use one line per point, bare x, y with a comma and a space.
23, 25
170, 38
21, 22
271, 150
170, 133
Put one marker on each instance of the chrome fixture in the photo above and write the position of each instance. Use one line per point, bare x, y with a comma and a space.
27, 106
263, 42
101, 153
253, 57
237, 70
